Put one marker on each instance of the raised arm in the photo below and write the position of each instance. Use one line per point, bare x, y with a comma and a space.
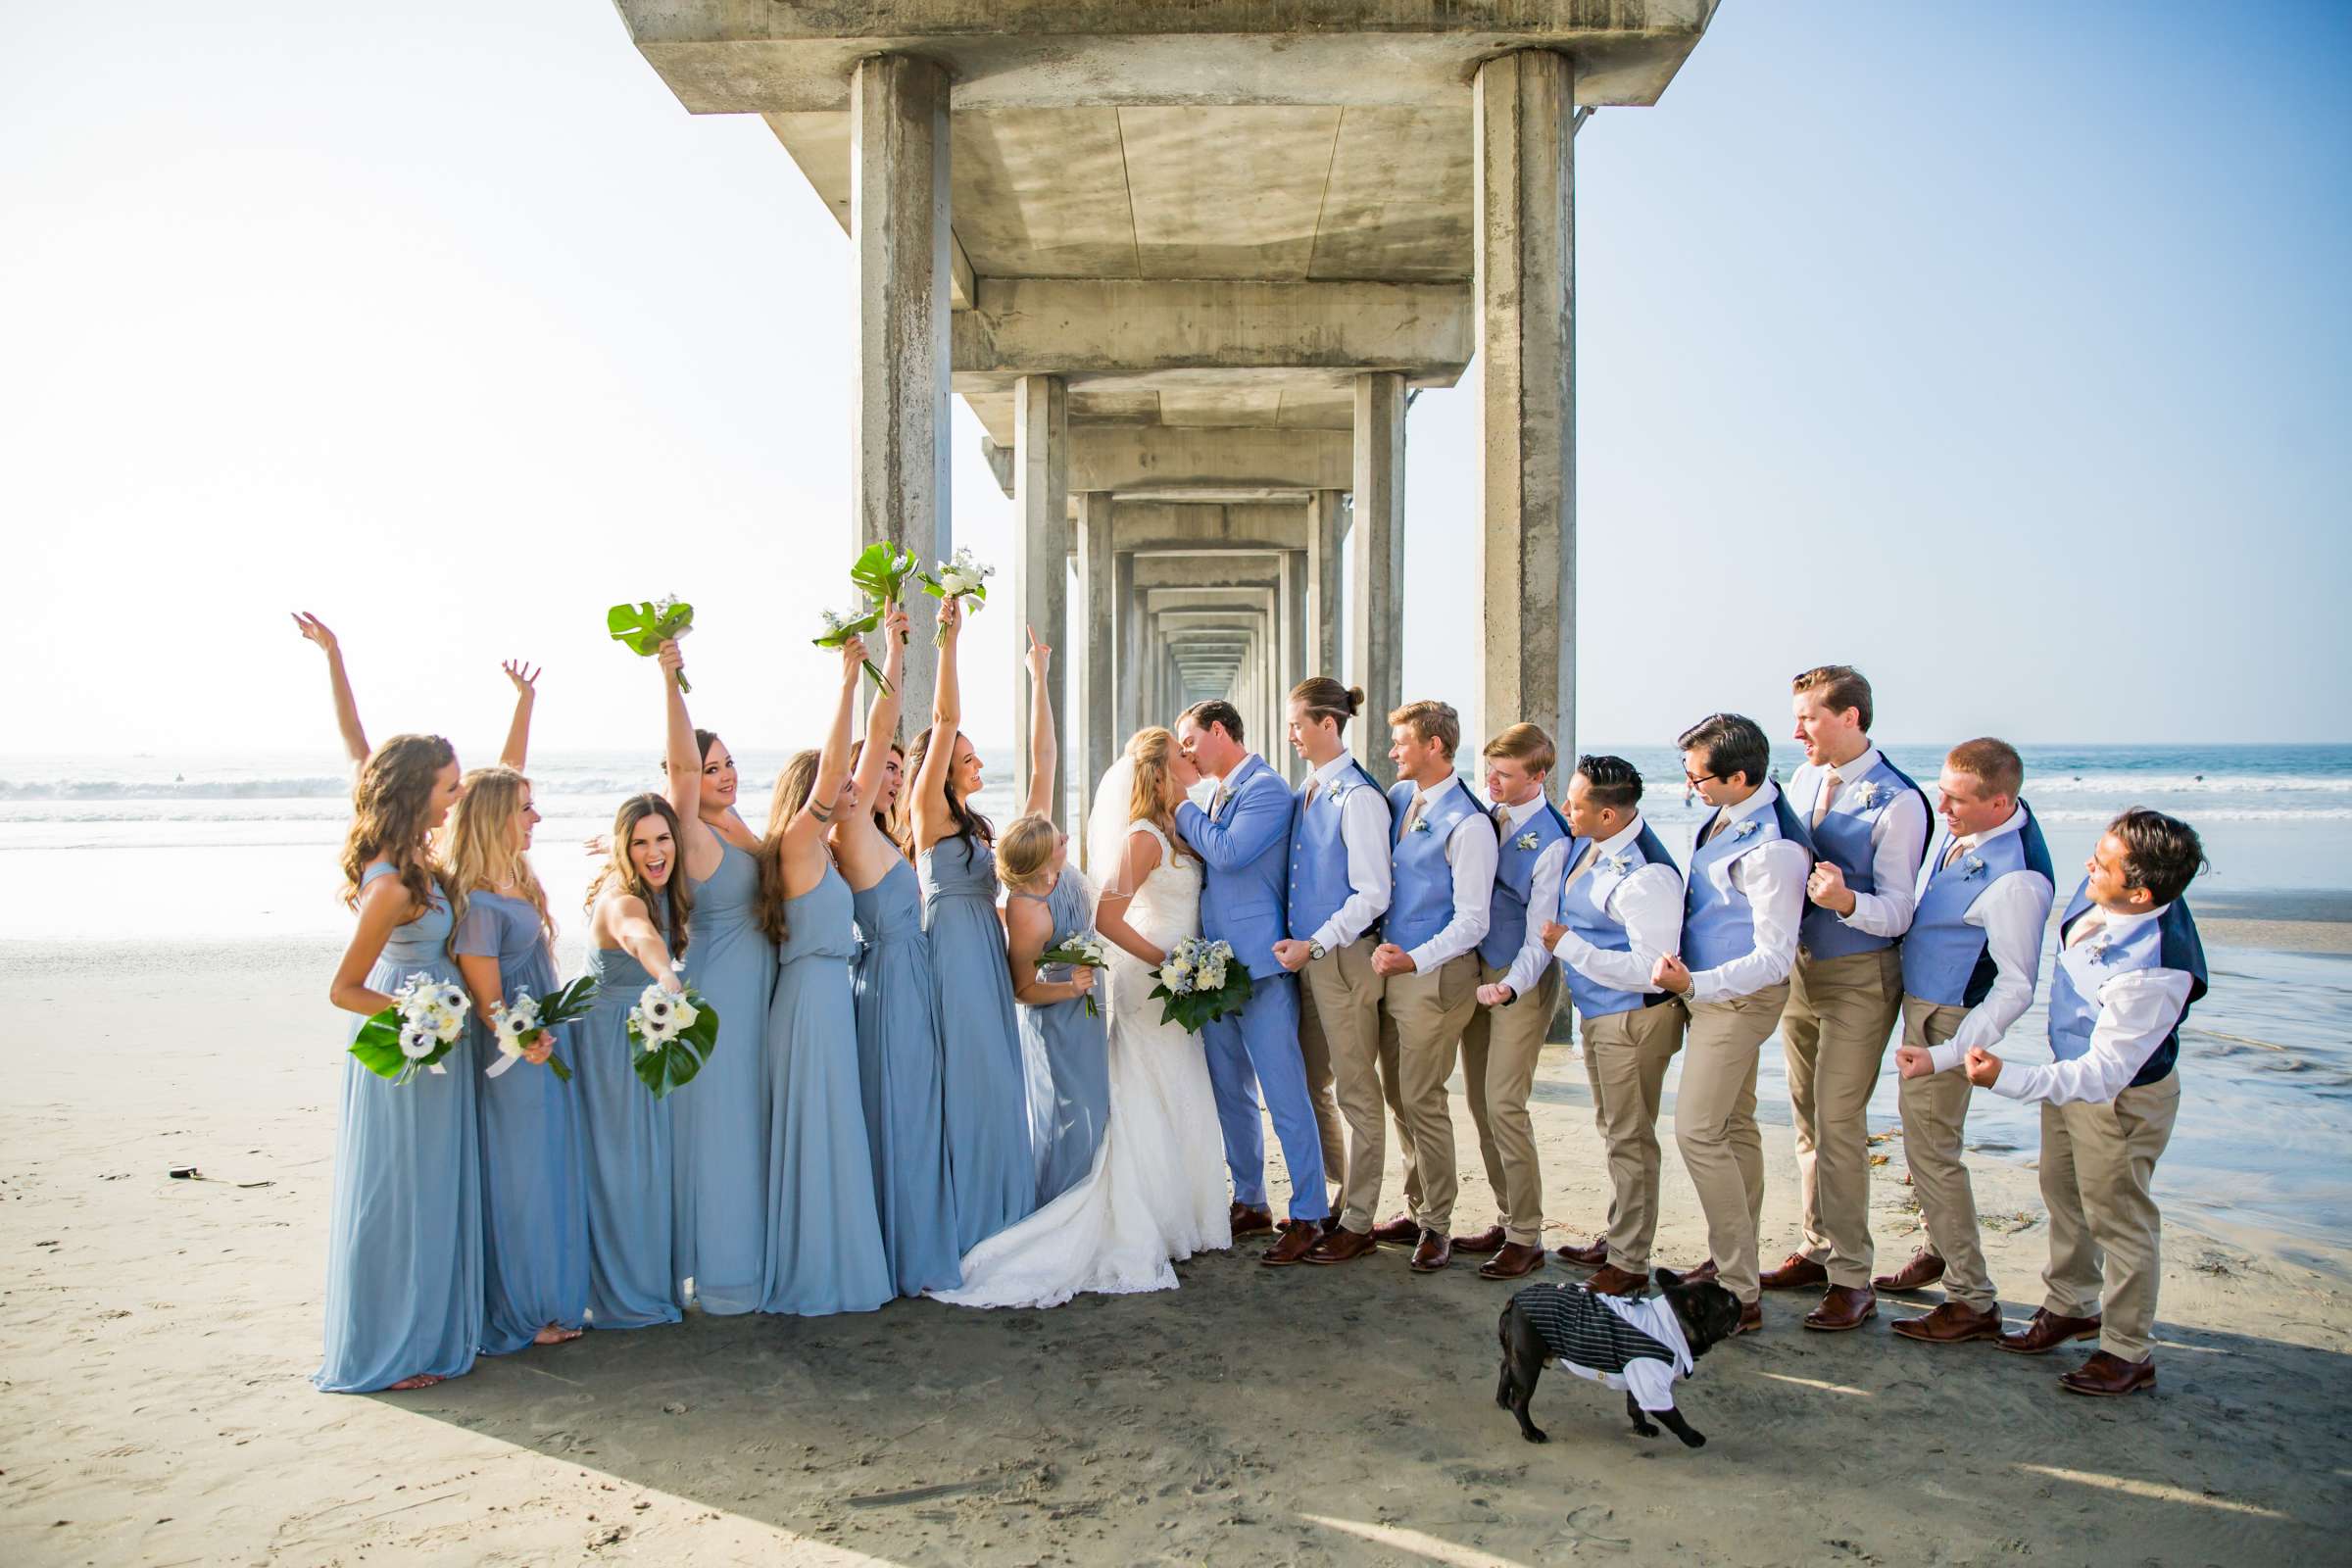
882, 718
682, 781
525, 677
347, 709
1039, 660
804, 835
928, 808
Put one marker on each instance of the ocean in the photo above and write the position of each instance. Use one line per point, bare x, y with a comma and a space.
161, 848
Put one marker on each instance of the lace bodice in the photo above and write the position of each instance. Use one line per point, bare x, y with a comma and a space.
1168, 905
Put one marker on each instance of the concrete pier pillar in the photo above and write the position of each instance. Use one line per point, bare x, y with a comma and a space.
1524, 134
1041, 557
1096, 634
1376, 593
1326, 516
1127, 666
1290, 605
898, 232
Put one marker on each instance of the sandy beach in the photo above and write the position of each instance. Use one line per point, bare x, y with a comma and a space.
159, 1335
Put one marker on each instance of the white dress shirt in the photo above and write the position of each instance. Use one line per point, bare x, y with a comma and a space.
1898, 838
1527, 967
1364, 829
2137, 1008
1771, 877
1647, 901
1471, 852
2012, 913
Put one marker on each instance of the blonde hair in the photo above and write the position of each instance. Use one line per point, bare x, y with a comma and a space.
1432, 721
478, 849
1151, 751
1025, 852
389, 807
1526, 743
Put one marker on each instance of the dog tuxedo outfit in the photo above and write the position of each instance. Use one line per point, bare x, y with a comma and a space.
1636, 1346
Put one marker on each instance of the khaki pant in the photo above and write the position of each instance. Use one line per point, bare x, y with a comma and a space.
1935, 1122
1421, 1019
1841, 1012
1500, 1046
1626, 1054
1715, 1125
1340, 1012
2105, 1233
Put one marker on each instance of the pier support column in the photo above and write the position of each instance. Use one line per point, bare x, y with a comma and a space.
1376, 592
1097, 630
1127, 669
1291, 609
1326, 516
1041, 556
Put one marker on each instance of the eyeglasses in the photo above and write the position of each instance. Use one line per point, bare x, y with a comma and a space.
1696, 779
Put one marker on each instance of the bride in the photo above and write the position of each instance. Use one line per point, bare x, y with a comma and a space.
1157, 1190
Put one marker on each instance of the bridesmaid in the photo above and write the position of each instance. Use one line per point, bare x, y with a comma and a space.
535, 1219
898, 1007
1045, 903
637, 927
403, 1252
988, 1113
719, 1123
825, 1240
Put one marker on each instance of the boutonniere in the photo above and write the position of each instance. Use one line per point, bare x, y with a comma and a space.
1620, 863
1972, 866
1421, 824
1868, 794
1525, 841
2102, 951
1747, 828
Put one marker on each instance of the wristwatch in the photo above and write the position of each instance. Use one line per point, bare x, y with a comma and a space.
1513, 990
1315, 950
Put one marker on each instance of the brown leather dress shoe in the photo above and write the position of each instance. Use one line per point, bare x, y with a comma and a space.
1343, 1245
2049, 1330
1249, 1219
1614, 1281
1510, 1260
1433, 1254
1299, 1238
1797, 1273
1843, 1307
1591, 1255
1329, 1222
1705, 1274
2105, 1376
1402, 1228
1490, 1240
1752, 1318
1951, 1324
1924, 1270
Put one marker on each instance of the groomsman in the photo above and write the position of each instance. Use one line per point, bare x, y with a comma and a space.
1741, 907
1442, 869
1519, 987
1619, 911
2130, 966
1868, 827
1339, 887
1969, 965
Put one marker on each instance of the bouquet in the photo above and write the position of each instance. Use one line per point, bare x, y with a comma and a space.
425, 1020
646, 628
1202, 980
881, 572
1079, 950
840, 629
518, 1024
674, 1032
961, 578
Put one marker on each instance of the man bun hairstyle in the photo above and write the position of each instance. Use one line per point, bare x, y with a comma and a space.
1216, 711
2161, 852
1325, 698
1526, 744
1838, 688
1432, 721
1733, 743
1611, 782
1993, 763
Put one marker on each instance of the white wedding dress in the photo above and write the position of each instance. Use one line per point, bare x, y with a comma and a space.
1156, 1190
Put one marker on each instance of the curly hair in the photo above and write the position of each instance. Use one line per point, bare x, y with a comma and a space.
389, 806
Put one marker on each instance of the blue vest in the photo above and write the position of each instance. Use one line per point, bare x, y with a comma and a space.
1842, 837
1718, 926
2167, 942
1944, 958
1514, 872
1319, 882
1422, 905
1581, 914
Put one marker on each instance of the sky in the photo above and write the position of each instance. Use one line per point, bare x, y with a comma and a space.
2001, 350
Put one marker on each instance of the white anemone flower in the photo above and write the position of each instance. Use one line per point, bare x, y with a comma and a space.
683, 1013
417, 1045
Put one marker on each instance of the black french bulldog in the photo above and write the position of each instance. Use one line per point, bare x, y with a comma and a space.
1707, 1311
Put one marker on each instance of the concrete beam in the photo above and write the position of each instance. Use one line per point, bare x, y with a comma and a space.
1041, 554
1114, 457
1163, 528
1253, 571
1376, 598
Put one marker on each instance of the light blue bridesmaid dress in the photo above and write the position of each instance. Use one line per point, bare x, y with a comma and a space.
534, 1222
626, 1133
404, 1247
824, 1252
988, 1155
718, 1123
1075, 1047
899, 1073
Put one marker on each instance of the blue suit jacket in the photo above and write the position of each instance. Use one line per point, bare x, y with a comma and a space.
1246, 849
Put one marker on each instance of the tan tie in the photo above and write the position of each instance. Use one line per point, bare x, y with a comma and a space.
1312, 785
1412, 813
1502, 819
1952, 855
2093, 921
1829, 793
1583, 863
1723, 819
1216, 803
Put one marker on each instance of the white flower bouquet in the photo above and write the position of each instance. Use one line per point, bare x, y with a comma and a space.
1200, 981
645, 627
427, 1017
674, 1032
962, 578
840, 629
1079, 950
517, 1025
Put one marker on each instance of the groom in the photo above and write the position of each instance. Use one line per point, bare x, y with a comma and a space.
1244, 839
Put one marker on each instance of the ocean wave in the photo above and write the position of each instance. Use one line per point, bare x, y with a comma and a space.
2122, 783
258, 789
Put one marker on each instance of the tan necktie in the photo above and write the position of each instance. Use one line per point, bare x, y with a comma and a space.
2093, 921
1723, 819
1313, 786
1412, 813
1829, 793
1952, 855
1583, 863
1503, 819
